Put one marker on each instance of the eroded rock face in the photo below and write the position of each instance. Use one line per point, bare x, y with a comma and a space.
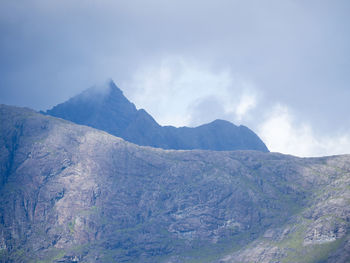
319, 232
71, 193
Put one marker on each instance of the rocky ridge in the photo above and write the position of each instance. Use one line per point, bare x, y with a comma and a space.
70, 193
109, 110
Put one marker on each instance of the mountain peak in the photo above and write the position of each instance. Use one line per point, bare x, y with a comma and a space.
109, 110
113, 88
108, 89
220, 122
112, 84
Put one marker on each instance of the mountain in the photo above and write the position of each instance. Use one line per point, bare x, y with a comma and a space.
71, 193
111, 111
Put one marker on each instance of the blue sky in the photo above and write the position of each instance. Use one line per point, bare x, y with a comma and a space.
281, 68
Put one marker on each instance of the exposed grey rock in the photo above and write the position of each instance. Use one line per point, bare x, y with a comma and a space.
71, 193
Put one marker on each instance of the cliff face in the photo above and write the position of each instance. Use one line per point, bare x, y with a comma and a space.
111, 111
71, 193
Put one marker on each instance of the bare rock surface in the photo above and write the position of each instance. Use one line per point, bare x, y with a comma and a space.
71, 193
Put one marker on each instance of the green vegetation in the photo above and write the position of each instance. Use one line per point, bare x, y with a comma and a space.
71, 226
51, 256
312, 253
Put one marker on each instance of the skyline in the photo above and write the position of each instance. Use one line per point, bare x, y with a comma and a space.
280, 68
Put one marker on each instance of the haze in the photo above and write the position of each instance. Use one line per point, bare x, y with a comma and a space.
282, 68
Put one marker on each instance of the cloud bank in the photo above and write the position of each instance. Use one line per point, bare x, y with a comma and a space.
184, 93
189, 62
282, 132
181, 92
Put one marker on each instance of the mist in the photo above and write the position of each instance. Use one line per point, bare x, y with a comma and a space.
265, 65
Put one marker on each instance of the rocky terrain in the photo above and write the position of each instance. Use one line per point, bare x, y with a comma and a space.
71, 193
109, 110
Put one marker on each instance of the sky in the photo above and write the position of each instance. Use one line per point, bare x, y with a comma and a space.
279, 67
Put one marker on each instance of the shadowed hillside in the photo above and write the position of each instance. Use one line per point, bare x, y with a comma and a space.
110, 111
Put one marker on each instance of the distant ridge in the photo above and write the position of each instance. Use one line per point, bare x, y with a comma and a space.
111, 111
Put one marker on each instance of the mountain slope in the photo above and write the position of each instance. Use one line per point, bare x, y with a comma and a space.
110, 111
71, 193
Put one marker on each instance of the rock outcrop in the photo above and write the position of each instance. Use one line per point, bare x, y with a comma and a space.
71, 193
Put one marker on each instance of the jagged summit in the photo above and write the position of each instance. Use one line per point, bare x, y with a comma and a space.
103, 108
109, 110
111, 90
114, 87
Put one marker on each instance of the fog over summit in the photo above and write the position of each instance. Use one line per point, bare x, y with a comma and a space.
107, 109
261, 64
200, 154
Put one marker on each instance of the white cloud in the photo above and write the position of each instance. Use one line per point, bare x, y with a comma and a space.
246, 103
281, 132
183, 92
